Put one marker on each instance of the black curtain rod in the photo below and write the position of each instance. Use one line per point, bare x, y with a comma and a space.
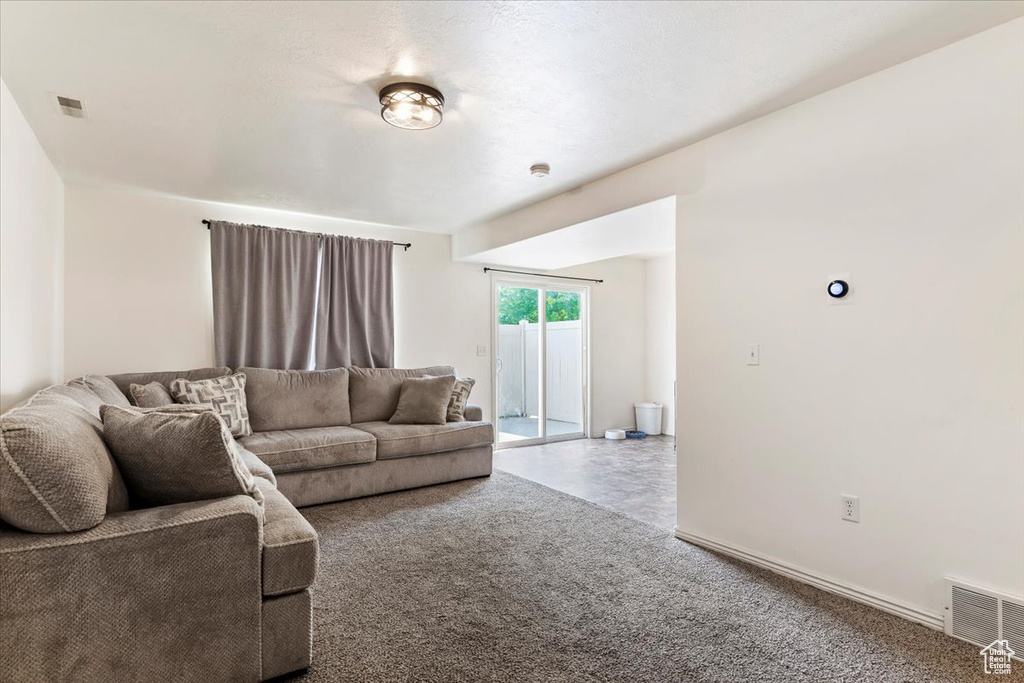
560, 277
404, 245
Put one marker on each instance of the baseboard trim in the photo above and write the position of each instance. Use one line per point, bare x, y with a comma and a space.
855, 593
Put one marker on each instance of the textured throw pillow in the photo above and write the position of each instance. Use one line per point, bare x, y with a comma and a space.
373, 392
460, 396
175, 456
225, 394
152, 395
424, 401
56, 474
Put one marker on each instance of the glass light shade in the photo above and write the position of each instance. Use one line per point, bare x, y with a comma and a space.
411, 106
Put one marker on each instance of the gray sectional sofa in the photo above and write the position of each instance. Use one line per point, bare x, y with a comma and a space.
93, 589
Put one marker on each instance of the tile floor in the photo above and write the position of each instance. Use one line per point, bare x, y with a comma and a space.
637, 478
515, 428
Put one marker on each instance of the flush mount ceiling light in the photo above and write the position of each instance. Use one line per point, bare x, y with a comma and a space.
540, 170
411, 105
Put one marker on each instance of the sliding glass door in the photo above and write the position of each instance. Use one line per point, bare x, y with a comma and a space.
540, 371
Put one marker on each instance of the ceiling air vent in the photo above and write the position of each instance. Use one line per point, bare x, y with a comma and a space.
981, 616
69, 106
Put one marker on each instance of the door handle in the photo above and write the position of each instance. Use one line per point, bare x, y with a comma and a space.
498, 365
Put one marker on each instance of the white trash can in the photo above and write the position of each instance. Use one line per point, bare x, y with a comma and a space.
648, 418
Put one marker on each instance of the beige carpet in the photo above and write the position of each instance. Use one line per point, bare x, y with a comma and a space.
502, 579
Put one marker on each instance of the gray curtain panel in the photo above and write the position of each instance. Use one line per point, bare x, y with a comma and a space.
264, 295
356, 315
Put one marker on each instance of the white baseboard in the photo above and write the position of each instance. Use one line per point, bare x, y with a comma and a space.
855, 593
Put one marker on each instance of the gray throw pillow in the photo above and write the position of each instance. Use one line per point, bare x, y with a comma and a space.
175, 456
56, 474
152, 395
424, 401
225, 394
460, 396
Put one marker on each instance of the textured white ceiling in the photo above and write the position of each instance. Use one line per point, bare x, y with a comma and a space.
649, 229
275, 103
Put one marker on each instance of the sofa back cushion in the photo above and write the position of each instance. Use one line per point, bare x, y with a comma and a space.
103, 387
56, 474
296, 399
374, 392
81, 396
124, 381
175, 454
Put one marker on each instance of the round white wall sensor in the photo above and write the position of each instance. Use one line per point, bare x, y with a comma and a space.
837, 289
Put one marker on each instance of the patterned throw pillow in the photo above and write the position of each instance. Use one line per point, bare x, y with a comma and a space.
460, 396
225, 394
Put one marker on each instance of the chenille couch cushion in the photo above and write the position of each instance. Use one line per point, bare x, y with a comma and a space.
291, 450
290, 546
175, 456
225, 394
102, 387
56, 474
401, 441
152, 395
256, 466
82, 396
296, 399
124, 381
424, 401
374, 392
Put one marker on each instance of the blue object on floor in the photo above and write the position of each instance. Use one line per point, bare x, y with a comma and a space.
635, 434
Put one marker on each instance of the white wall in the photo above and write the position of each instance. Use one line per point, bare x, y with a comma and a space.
31, 236
911, 396
139, 295
661, 337
618, 321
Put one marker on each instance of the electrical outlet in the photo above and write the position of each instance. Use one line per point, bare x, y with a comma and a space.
851, 508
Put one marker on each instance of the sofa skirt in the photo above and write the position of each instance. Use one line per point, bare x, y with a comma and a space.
287, 634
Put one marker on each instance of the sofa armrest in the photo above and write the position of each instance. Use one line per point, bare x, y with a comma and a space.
473, 413
166, 593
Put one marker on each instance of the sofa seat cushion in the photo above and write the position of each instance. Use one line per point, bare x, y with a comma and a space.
291, 548
291, 450
402, 441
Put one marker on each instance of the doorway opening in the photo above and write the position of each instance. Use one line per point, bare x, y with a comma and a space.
541, 371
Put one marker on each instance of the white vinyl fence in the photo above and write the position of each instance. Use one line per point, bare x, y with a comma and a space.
518, 371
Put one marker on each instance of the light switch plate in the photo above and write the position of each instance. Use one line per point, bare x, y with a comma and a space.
753, 354
481, 350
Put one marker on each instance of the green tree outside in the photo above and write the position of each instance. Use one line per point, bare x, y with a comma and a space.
520, 303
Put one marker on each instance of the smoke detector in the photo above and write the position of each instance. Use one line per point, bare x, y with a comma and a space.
69, 106
540, 170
